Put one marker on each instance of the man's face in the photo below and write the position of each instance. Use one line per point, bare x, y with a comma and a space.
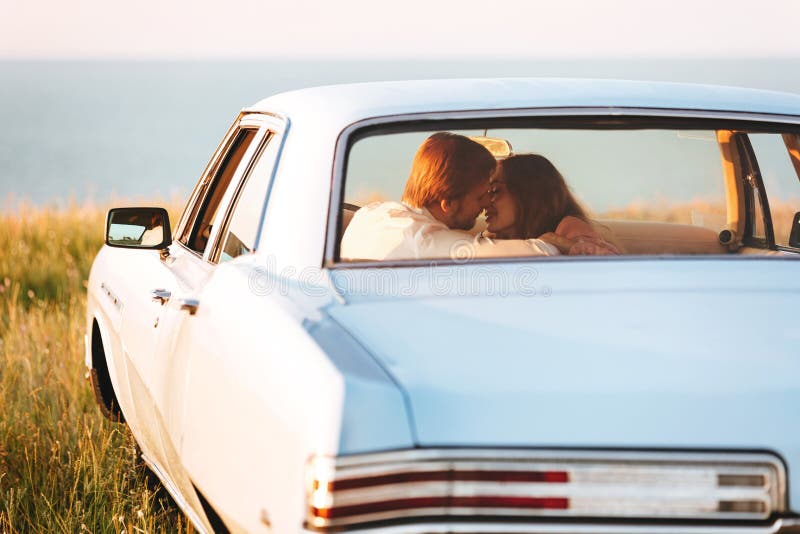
467, 208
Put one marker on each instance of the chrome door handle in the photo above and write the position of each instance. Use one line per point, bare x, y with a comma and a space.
190, 305
160, 295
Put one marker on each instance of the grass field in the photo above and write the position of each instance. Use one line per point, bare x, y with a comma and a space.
63, 467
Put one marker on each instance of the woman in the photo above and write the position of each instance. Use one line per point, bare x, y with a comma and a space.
530, 199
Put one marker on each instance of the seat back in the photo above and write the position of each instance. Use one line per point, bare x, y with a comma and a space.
647, 237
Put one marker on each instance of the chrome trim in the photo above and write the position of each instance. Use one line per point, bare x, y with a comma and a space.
190, 305
270, 114
273, 127
176, 495
112, 297
340, 154
504, 455
229, 195
208, 170
792, 256
465, 489
284, 133
160, 295
636, 467
247, 118
780, 526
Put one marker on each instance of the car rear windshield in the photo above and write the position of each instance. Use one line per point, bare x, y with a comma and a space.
601, 187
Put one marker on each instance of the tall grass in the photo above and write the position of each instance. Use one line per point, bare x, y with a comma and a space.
63, 467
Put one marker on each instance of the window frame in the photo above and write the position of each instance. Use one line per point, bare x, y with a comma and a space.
186, 221
273, 131
215, 188
763, 197
796, 166
263, 123
754, 183
598, 117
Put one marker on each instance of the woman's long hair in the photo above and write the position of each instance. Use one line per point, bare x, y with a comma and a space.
540, 192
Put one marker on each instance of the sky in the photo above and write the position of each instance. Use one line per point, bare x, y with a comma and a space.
411, 29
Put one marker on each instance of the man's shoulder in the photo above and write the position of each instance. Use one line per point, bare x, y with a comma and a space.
383, 206
392, 210
385, 230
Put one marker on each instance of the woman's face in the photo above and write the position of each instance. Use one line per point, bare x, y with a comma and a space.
503, 212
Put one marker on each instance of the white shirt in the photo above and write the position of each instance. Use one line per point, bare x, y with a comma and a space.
152, 237
395, 231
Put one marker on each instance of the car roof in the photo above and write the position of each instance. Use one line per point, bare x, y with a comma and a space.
349, 103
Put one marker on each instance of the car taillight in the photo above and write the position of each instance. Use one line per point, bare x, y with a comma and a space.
529, 484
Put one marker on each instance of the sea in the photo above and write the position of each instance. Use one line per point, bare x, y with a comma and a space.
73, 132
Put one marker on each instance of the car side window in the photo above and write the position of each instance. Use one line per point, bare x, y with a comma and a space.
199, 231
241, 231
779, 161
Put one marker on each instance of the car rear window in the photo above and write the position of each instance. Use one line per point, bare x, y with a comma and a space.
643, 188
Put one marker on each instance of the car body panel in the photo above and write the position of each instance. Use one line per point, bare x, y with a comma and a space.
375, 412
280, 396
338, 106
639, 354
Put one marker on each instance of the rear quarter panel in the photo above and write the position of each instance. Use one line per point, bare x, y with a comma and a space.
261, 398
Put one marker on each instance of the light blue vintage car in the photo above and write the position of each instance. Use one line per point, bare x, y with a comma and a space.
275, 385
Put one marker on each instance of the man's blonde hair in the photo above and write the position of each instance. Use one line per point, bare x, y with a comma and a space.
446, 166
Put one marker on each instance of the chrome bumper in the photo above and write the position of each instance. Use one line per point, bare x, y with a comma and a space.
782, 526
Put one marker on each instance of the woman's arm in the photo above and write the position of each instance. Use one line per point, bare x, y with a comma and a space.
586, 240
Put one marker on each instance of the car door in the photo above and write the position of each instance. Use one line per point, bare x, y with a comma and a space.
143, 273
235, 232
125, 281
182, 271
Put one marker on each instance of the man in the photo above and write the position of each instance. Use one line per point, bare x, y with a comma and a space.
154, 232
445, 193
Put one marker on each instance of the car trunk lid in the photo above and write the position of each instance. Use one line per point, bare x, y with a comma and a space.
689, 354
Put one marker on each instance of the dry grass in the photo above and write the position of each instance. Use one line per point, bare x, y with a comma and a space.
63, 467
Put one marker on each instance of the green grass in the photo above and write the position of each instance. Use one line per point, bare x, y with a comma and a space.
63, 467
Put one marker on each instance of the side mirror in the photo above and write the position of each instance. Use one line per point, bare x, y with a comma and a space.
794, 235
144, 228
